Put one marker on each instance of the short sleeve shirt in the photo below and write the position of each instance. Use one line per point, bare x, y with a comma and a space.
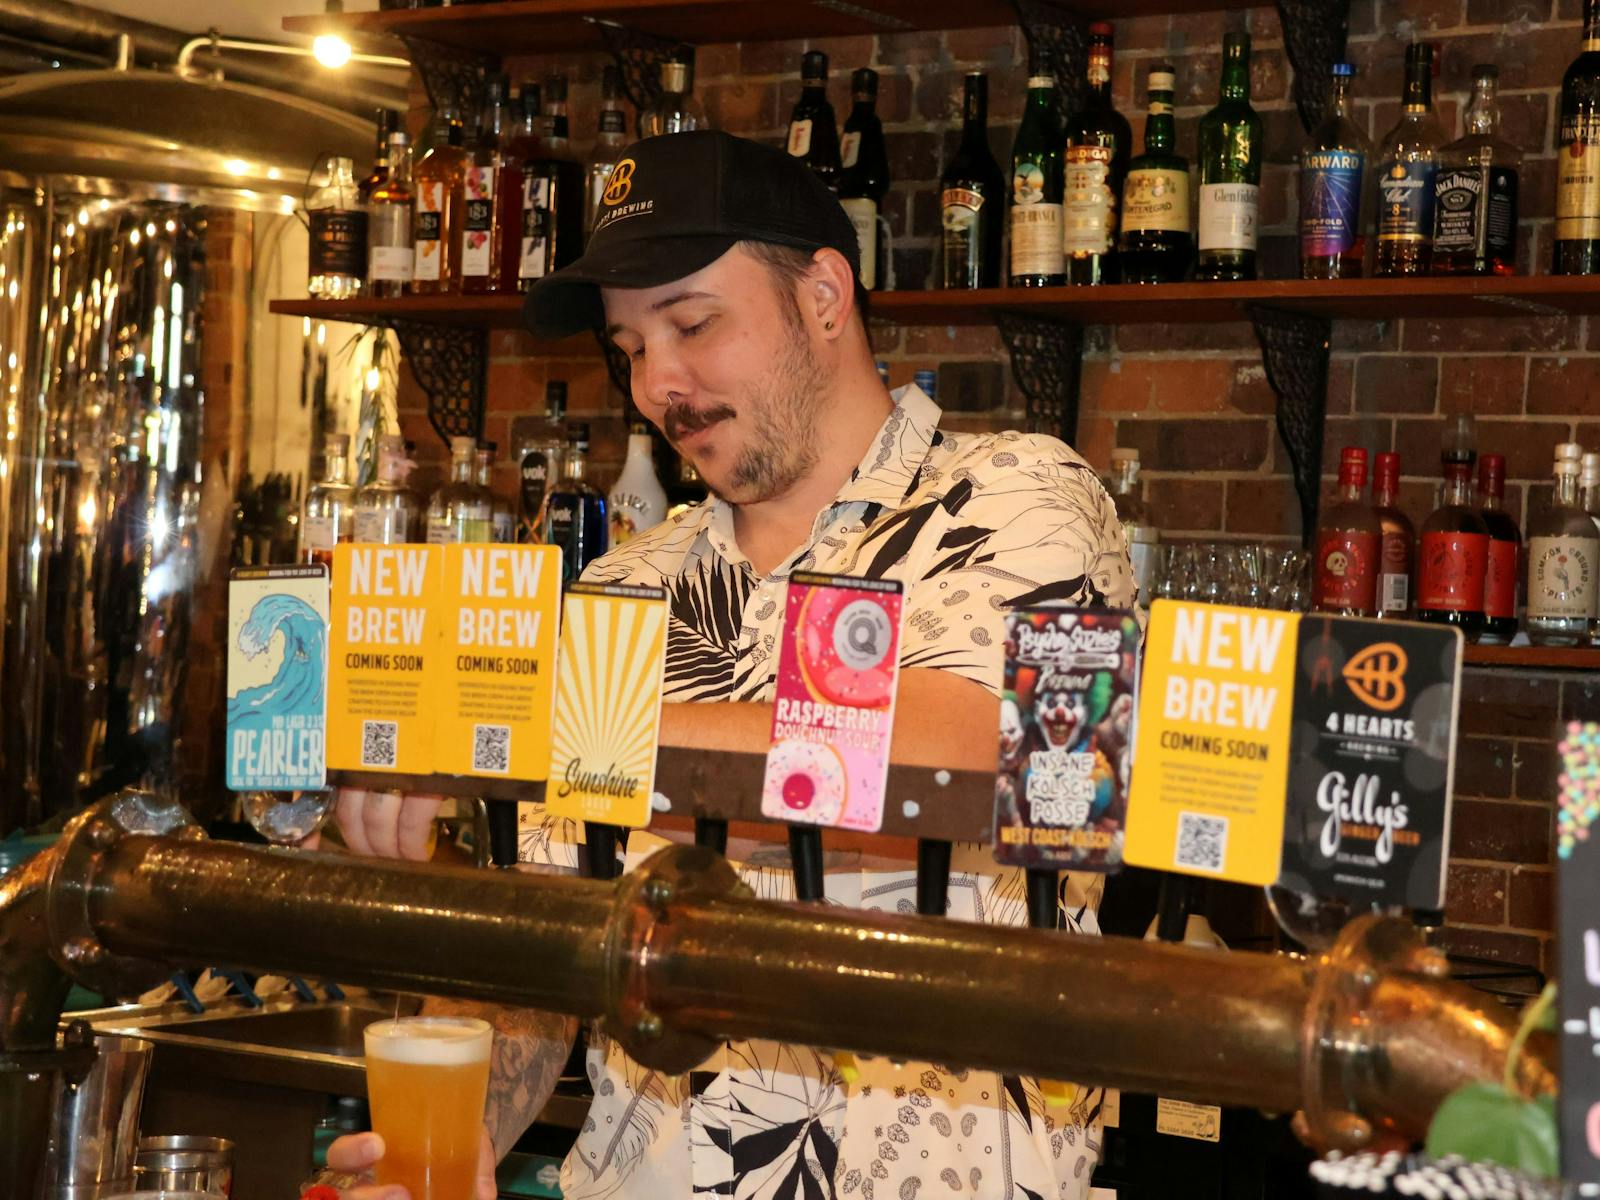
973, 525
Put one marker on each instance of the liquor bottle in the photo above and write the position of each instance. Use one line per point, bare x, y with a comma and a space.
491, 219
539, 464
329, 516
553, 123
1230, 172
1453, 555
637, 500
575, 517
1349, 545
1475, 197
1098, 145
502, 523
1157, 245
611, 138
380, 156
460, 511
972, 198
1563, 552
389, 248
554, 198
436, 265
338, 250
1408, 168
1142, 535
1034, 219
864, 173
1398, 554
813, 136
387, 511
527, 137
1577, 231
927, 382
1505, 541
1589, 501
1333, 190
685, 488
677, 111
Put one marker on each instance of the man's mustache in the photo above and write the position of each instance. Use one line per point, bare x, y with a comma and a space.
682, 419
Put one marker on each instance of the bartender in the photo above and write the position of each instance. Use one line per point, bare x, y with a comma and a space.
727, 273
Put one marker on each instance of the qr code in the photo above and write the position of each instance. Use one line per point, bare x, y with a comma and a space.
1202, 841
491, 748
378, 744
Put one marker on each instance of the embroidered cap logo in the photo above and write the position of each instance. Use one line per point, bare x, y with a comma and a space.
619, 183
1377, 676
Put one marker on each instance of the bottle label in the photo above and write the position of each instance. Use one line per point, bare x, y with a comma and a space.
1228, 216
1453, 567
630, 516
392, 263
1099, 65
338, 241
318, 533
1578, 181
1089, 210
613, 120
1458, 197
503, 527
1330, 202
1501, 237
1561, 576
430, 221
963, 257
1347, 570
1406, 193
477, 222
1500, 586
1036, 240
863, 214
533, 491
451, 530
535, 227
849, 148
379, 526
800, 138
1156, 199
1394, 578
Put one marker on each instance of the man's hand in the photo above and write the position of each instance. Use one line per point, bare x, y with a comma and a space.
358, 1153
387, 824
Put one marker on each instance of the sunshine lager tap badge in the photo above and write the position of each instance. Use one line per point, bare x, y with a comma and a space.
608, 704
277, 678
1373, 751
1066, 738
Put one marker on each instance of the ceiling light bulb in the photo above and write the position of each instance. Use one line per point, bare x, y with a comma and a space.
331, 50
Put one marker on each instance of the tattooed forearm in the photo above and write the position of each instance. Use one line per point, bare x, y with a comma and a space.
530, 1048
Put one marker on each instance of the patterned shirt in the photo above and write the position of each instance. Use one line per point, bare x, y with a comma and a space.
972, 525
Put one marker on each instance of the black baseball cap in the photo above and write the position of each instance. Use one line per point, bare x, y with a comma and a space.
675, 204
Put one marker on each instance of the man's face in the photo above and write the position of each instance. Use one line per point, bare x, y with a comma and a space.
723, 365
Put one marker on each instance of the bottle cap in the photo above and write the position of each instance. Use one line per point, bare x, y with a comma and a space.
926, 380
1163, 77
639, 427
1387, 461
1125, 454
1591, 468
1569, 450
1492, 474
1352, 466
1343, 70
1485, 71
1101, 29
400, 138
339, 444
814, 66
463, 446
864, 82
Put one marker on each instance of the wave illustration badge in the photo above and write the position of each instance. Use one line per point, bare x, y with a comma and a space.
277, 678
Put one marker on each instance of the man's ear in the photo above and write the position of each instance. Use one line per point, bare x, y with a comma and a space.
828, 295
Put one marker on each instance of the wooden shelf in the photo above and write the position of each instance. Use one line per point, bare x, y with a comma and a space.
1555, 658
477, 312
511, 27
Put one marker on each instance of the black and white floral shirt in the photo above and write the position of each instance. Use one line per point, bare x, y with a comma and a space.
972, 525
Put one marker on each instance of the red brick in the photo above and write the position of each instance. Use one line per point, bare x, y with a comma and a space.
1532, 902
1251, 393
1267, 506
1498, 12
1508, 333
1492, 944
910, 49
1372, 433
1495, 832
1160, 385
1484, 767
1197, 444
1228, 335
1564, 385
1001, 43
1396, 383
1475, 895
1477, 383
740, 104
1538, 768
946, 340
1143, 33
1526, 444
1509, 704
1193, 505
1422, 16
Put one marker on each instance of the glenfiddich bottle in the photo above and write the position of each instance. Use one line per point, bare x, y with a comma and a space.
1475, 208
1397, 562
1098, 145
1349, 545
864, 173
1230, 172
813, 137
1333, 169
1453, 555
1034, 219
1563, 553
972, 198
1156, 245
1500, 586
1408, 168
1577, 230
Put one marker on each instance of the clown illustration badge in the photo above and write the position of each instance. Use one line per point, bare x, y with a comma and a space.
838, 663
1066, 738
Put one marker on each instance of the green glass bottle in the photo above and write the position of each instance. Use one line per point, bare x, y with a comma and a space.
1156, 245
1034, 219
1230, 172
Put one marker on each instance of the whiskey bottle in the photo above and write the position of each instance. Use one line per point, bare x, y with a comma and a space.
1098, 144
1333, 169
1034, 218
1475, 206
677, 110
864, 175
389, 247
813, 136
1453, 555
437, 185
329, 516
1577, 233
338, 224
1156, 244
1408, 168
387, 511
972, 198
1563, 551
1230, 172
1349, 545
491, 220
1505, 544
611, 137
461, 511
554, 196
575, 518
380, 156
1397, 558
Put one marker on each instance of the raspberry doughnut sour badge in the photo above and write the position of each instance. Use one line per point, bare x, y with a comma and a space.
833, 711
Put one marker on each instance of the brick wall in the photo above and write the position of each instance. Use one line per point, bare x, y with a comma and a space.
1193, 398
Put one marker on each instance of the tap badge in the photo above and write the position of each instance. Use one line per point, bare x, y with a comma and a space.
1377, 675
620, 182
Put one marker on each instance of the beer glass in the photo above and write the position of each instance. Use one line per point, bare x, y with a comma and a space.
427, 1080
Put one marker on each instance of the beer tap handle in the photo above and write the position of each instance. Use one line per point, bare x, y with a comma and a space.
712, 833
1173, 907
1044, 889
602, 844
933, 876
805, 855
502, 817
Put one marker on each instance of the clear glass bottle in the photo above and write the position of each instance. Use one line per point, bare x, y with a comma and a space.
554, 197
972, 198
685, 488
637, 501
1505, 545
1453, 551
1563, 552
1142, 534
387, 510
1231, 151
611, 138
1349, 545
1099, 142
1577, 228
438, 200
502, 522
1408, 169
389, 247
491, 216
460, 510
1034, 217
1475, 195
329, 516
1157, 245
338, 222
1334, 191
677, 111
1397, 562
813, 135
575, 518
539, 464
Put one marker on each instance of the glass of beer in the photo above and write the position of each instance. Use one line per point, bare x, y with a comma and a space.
427, 1080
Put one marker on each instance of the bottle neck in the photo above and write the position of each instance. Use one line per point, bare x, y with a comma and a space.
463, 469
400, 166
975, 112
1351, 485
391, 468
1236, 78
813, 91
639, 446
1567, 488
1099, 72
1339, 105
1483, 114
576, 465
1160, 129
1384, 490
335, 473
1124, 476
1490, 501
1458, 484
492, 123
1418, 96
1591, 25
863, 108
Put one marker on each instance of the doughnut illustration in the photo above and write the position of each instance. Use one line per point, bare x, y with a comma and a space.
846, 649
810, 779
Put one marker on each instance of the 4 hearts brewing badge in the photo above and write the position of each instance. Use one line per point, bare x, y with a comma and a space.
1371, 761
1066, 738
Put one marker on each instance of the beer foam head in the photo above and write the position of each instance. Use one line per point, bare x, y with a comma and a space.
430, 1041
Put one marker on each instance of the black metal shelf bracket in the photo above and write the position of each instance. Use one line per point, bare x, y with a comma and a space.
1047, 363
1294, 352
452, 77
1314, 33
639, 56
1062, 38
450, 363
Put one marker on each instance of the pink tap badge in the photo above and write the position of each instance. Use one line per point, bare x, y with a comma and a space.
833, 712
